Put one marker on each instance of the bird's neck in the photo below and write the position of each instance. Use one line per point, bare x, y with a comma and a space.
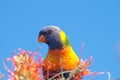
55, 45
59, 43
60, 51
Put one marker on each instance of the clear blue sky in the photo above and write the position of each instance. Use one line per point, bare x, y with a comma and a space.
94, 22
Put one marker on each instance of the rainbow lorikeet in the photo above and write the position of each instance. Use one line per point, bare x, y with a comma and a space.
60, 53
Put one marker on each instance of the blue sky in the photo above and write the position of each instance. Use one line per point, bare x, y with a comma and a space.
96, 23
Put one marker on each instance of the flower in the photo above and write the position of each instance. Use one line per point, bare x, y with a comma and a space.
25, 66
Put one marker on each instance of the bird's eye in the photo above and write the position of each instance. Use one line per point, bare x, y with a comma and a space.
49, 32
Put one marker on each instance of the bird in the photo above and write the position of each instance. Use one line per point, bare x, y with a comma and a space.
60, 55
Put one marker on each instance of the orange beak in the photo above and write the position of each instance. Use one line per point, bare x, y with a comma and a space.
41, 38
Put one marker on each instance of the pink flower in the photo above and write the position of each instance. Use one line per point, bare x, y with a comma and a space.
25, 66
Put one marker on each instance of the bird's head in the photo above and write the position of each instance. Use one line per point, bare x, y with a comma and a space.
54, 37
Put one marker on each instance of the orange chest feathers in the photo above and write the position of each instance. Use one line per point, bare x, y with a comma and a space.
65, 58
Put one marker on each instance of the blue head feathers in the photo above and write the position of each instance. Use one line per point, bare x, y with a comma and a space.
52, 36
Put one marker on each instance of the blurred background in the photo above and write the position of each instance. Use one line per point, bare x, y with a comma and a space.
96, 23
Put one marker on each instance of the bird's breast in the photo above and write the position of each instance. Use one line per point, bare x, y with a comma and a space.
65, 58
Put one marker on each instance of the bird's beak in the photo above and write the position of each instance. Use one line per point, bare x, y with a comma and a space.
41, 38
